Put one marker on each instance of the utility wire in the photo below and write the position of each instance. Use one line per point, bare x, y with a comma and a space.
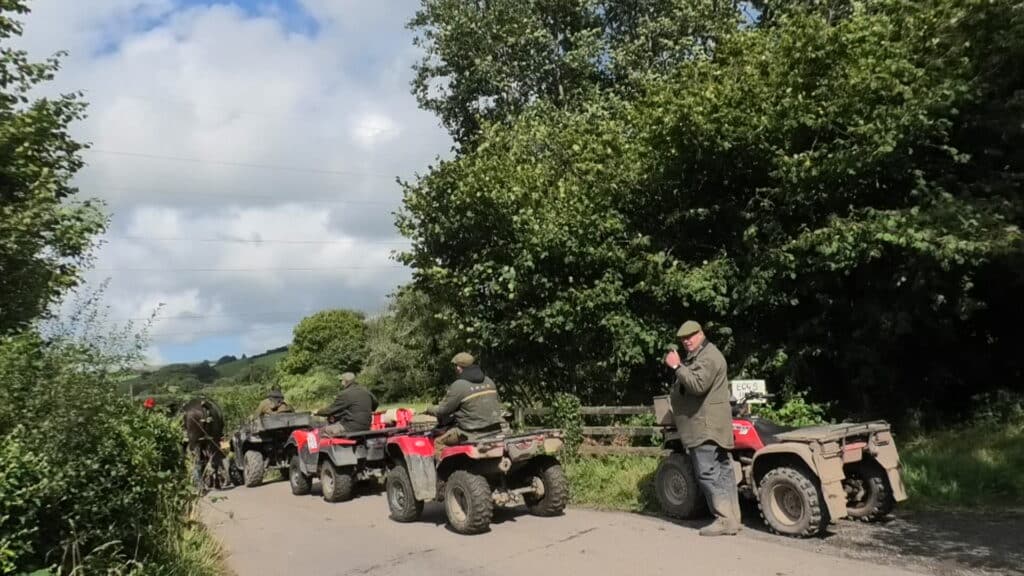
251, 241
245, 196
326, 269
240, 164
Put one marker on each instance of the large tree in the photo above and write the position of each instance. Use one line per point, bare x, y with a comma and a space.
45, 236
332, 339
836, 193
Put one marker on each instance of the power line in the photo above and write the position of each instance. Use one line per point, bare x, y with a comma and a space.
327, 269
241, 164
159, 318
244, 196
252, 241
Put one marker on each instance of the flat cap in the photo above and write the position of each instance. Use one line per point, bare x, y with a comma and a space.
689, 328
347, 377
463, 359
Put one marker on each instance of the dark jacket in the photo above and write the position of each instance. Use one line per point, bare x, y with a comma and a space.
700, 399
352, 408
472, 402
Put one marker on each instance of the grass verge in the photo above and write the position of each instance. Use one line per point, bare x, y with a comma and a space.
973, 466
623, 483
979, 467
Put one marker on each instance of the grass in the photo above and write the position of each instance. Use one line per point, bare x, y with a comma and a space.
972, 466
197, 553
623, 483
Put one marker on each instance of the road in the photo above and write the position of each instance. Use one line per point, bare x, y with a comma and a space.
268, 531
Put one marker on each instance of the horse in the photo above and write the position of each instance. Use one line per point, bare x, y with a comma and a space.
203, 421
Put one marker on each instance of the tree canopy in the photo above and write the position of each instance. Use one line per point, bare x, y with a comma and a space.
45, 236
332, 339
834, 191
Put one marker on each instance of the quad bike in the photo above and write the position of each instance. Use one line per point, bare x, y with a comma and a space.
261, 444
341, 461
472, 477
802, 478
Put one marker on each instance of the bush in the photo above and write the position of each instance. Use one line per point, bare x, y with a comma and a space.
795, 411
565, 414
89, 479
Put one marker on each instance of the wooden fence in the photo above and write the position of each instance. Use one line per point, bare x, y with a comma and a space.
605, 431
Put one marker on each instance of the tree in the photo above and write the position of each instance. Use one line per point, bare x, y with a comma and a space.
836, 197
45, 236
488, 61
334, 339
409, 349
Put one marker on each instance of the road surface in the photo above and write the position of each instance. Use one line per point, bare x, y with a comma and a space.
268, 531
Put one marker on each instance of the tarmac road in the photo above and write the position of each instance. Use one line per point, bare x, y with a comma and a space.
268, 531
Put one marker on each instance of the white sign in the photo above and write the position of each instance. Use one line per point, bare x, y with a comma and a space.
740, 389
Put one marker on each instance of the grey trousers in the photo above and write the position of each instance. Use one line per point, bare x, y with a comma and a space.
713, 467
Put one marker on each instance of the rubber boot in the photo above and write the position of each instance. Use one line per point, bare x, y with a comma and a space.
725, 523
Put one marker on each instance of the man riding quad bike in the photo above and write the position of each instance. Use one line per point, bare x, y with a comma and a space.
802, 478
472, 462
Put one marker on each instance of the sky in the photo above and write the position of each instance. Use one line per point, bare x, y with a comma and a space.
247, 152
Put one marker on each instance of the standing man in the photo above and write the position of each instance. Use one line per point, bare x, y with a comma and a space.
472, 406
700, 401
352, 410
273, 403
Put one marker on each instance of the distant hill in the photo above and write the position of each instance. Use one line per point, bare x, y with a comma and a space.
268, 358
187, 377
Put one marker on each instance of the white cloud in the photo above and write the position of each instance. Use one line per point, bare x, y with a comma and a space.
298, 140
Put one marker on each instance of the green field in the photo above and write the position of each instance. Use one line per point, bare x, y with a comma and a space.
230, 369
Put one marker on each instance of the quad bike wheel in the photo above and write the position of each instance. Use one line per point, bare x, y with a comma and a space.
868, 494
255, 466
337, 485
791, 503
236, 474
402, 500
676, 488
300, 483
551, 477
468, 503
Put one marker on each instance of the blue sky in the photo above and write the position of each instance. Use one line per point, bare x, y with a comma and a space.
247, 153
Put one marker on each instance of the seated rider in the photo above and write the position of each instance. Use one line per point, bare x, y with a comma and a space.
472, 407
352, 409
274, 403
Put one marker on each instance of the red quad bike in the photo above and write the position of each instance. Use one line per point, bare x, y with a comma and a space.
802, 478
471, 478
341, 461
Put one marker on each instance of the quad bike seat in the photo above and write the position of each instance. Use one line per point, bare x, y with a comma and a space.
769, 430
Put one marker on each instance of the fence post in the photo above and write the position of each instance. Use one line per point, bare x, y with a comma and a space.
520, 418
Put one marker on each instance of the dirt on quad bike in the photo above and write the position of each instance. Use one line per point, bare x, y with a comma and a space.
802, 479
341, 462
261, 444
471, 478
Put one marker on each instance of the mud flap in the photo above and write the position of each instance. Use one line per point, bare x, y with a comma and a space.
885, 453
423, 475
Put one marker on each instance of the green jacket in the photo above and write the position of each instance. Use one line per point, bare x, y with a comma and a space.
352, 408
472, 402
269, 406
700, 399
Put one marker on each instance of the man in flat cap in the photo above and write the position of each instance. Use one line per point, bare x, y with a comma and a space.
352, 410
472, 406
274, 403
700, 401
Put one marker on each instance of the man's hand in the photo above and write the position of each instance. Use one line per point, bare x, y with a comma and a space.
672, 359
